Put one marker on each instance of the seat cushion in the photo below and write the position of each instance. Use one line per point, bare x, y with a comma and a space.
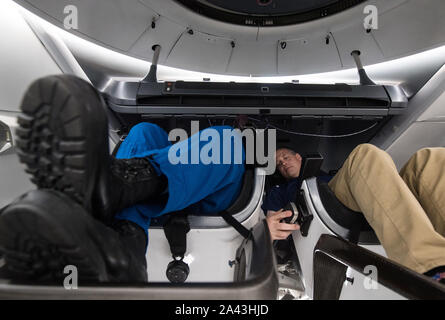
344, 216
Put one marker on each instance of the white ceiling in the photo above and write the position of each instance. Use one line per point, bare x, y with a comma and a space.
405, 27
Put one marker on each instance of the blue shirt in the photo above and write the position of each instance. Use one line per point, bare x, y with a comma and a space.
282, 194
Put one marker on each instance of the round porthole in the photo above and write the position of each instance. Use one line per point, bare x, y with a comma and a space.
268, 13
264, 2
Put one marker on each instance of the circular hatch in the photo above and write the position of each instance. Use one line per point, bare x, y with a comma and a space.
268, 13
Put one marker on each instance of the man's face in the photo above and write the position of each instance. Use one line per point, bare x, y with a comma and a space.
288, 163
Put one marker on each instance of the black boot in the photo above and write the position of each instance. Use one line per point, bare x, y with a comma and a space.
134, 239
129, 181
44, 231
63, 140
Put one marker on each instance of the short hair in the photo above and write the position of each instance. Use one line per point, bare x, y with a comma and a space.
287, 146
290, 150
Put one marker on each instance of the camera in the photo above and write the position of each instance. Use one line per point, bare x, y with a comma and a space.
300, 214
292, 208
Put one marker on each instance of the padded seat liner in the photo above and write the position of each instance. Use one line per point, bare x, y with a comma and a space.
344, 216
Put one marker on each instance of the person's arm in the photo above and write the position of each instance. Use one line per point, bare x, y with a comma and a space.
272, 205
278, 230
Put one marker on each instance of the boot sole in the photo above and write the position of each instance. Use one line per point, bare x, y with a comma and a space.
61, 136
43, 232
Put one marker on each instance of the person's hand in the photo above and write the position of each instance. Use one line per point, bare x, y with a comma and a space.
278, 230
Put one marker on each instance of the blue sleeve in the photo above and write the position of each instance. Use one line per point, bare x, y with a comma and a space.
274, 200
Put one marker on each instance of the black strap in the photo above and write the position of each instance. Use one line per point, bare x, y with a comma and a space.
236, 224
116, 148
176, 228
354, 234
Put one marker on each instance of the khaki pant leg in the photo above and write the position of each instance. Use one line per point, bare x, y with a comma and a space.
369, 182
424, 174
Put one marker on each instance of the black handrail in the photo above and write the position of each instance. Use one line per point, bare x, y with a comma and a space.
392, 275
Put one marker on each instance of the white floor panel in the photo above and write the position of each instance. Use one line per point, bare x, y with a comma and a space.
208, 254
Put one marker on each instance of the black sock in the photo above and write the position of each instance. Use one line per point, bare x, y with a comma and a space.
434, 271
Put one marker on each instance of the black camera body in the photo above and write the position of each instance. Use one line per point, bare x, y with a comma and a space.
295, 214
300, 214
